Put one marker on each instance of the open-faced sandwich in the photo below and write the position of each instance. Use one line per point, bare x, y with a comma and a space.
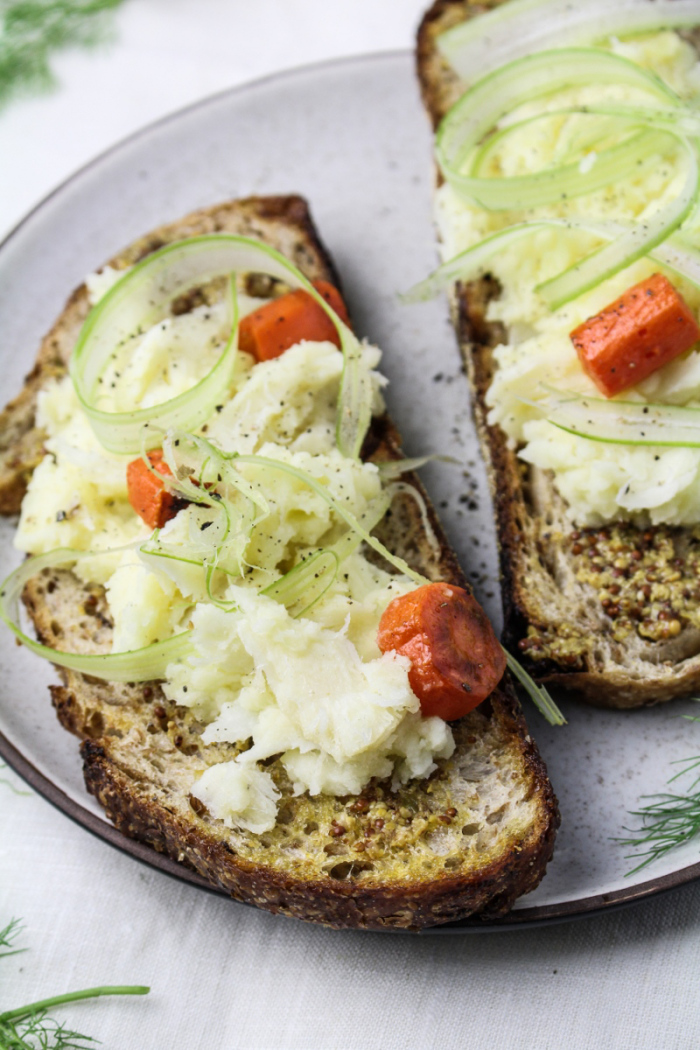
569, 214
273, 659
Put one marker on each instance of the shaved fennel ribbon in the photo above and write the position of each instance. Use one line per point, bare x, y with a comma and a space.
460, 146
658, 238
136, 665
133, 304
304, 584
676, 254
622, 422
539, 694
141, 298
215, 463
522, 27
214, 467
299, 589
525, 80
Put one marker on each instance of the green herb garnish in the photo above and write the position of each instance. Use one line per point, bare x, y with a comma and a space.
30, 1027
7, 937
31, 30
668, 821
539, 694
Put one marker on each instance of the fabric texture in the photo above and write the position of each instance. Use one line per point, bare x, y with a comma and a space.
225, 975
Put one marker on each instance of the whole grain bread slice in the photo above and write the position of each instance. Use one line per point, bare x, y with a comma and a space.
568, 630
468, 841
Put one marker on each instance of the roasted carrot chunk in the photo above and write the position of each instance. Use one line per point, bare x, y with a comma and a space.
641, 331
147, 494
269, 331
456, 660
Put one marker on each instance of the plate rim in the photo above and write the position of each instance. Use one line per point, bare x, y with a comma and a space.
519, 918
190, 107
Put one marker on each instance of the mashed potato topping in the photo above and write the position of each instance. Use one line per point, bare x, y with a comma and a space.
314, 690
600, 482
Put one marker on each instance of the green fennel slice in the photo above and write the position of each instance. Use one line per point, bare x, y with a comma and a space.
622, 422
141, 297
519, 28
462, 152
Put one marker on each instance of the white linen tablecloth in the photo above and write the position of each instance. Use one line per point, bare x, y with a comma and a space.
224, 975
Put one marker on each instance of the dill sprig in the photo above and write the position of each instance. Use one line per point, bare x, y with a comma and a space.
667, 822
40, 1032
670, 820
31, 1028
31, 30
7, 937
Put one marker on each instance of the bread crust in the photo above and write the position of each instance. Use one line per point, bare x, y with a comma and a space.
412, 904
542, 598
139, 751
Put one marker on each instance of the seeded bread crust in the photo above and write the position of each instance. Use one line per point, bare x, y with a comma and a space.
552, 611
468, 841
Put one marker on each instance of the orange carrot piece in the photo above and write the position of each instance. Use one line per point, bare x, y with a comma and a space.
641, 331
456, 661
269, 331
147, 494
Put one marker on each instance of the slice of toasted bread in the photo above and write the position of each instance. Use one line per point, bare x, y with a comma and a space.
470, 839
558, 620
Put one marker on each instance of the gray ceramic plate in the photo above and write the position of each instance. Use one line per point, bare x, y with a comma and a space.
352, 138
